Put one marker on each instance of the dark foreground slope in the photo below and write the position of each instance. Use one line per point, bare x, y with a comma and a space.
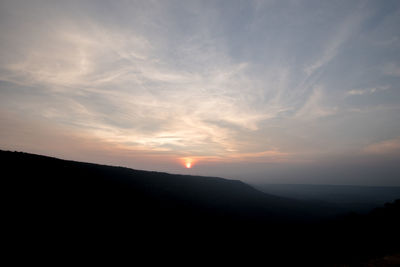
71, 203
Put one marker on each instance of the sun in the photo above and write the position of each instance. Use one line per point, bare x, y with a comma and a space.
188, 162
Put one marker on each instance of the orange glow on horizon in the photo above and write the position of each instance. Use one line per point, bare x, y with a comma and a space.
187, 162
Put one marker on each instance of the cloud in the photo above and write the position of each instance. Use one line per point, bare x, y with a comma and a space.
314, 107
343, 32
367, 91
391, 146
116, 84
391, 69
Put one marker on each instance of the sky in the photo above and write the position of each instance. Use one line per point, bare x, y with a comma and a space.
261, 91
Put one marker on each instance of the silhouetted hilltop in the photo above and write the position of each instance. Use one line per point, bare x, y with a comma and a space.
75, 203
144, 194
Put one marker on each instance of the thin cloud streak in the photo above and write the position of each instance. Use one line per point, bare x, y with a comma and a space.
386, 147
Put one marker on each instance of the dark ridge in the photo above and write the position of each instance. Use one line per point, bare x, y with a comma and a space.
70, 203
349, 198
77, 182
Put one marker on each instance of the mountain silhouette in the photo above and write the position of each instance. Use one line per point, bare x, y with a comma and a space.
67, 184
54, 199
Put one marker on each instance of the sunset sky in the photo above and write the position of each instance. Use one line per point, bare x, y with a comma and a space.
262, 91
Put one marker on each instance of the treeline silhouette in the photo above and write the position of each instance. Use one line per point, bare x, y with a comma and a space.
67, 202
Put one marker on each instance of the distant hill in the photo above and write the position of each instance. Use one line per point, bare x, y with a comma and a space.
346, 197
79, 203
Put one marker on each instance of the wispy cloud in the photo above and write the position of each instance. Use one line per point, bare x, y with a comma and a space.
115, 87
391, 69
367, 91
385, 147
315, 107
333, 44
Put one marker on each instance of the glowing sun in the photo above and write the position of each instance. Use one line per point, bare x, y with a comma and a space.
187, 162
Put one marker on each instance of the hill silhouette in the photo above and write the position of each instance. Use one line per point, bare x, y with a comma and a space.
151, 194
55, 199
348, 198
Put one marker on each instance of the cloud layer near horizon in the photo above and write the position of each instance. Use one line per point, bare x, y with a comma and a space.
258, 81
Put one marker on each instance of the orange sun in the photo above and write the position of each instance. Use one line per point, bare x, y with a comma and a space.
187, 162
